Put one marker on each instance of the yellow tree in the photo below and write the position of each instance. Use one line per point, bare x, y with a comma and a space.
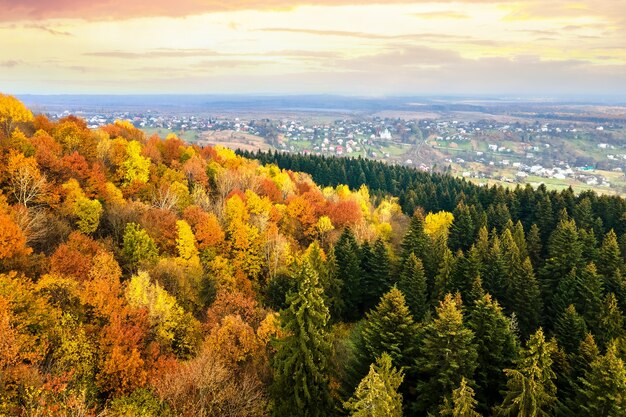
12, 111
27, 183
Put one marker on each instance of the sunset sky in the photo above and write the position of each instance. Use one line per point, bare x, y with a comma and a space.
535, 47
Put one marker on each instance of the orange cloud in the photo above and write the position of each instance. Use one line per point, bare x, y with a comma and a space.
14, 10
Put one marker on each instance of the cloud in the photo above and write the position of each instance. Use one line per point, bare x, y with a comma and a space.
11, 63
13, 10
444, 14
430, 37
48, 30
198, 53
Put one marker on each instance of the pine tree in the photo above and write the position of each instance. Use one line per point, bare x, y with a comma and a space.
467, 268
377, 274
520, 239
412, 283
530, 388
523, 297
570, 329
603, 389
349, 274
377, 394
327, 271
389, 328
462, 231
611, 324
415, 240
611, 268
564, 253
443, 280
418, 242
446, 354
534, 246
301, 385
497, 348
462, 404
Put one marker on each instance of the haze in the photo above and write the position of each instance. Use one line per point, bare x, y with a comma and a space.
534, 47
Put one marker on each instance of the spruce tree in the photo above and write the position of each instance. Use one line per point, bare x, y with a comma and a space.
611, 325
389, 328
446, 353
418, 242
497, 348
377, 394
326, 267
611, 268
467, 268
564, 253
412, 283
523, 296
349, 274
534, 246
377, 275
443, 279
301, 383
570, 329
462, 403
530, 387
602, 391
462, 230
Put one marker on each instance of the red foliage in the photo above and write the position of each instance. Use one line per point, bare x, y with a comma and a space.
75, 257
161, 226
238, 192
172, 150
269, 189
152, 149
344, 213
47, 152
41, 122
230, 303
122, 366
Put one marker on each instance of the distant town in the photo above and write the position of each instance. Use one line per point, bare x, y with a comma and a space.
557, 153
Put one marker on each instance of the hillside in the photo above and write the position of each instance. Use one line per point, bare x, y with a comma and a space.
144, 276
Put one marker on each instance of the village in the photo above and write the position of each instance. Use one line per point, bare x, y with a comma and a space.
524, 151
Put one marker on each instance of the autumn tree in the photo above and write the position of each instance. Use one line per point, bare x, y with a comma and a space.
138, 247
12, 112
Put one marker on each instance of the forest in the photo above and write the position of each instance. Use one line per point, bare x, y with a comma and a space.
143, 276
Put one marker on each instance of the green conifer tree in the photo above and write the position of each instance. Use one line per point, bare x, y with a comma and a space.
497, 348
412, 283
462, 403
611, 323
349, 274
377, 394
376, 272
301, 383
462, 230
603, 389
570, 329
389, 328
446, 353
530, 387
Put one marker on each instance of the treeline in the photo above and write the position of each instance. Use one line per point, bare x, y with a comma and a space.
148, 277
436, 192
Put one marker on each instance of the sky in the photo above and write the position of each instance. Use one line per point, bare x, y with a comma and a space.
367, 48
